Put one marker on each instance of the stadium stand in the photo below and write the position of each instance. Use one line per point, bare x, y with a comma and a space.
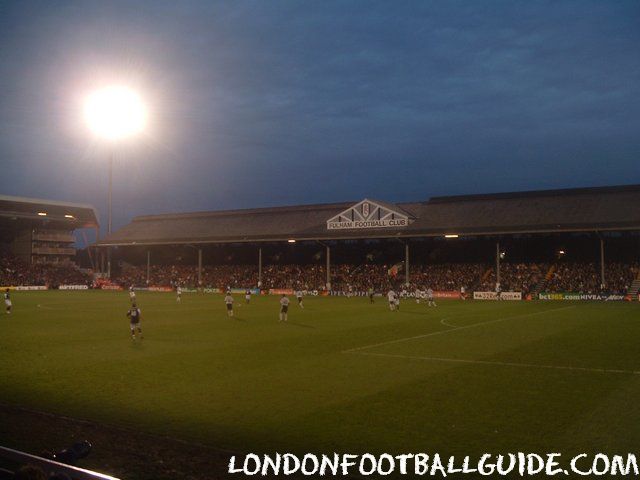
41, 231
570, 210
444, 243
16, 271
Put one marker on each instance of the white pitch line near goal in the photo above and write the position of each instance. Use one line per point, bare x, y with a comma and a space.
454, 329
501, 364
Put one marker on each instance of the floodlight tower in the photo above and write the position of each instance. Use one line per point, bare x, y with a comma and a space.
113, 114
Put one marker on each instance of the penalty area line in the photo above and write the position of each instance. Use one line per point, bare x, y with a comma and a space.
501, 364
453, 329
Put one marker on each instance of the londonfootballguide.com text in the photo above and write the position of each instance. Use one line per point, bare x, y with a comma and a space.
422, 464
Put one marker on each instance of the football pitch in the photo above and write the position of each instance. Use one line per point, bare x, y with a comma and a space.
341, 375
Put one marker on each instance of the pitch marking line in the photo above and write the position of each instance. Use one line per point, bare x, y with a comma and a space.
455, 329
444, 322
502, 364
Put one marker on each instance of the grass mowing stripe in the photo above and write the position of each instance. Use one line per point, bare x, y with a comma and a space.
455, 329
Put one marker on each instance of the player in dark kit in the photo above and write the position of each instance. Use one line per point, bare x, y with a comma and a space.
135, 315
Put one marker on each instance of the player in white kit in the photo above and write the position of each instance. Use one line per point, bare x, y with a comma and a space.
7, 301
299, 298
178, 294
430, 301
228, 300
418, 295
284, 308
132, 294
391, 296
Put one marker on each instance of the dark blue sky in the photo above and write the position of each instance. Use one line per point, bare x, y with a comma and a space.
279, 102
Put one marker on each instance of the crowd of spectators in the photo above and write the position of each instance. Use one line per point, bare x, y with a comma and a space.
15, 271
523, 277
586, 278
448, 276
520, 277
515, 277
344, 277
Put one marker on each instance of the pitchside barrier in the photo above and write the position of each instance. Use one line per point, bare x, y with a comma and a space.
566, 296
24, 287
603, 297
436, 294
494, 296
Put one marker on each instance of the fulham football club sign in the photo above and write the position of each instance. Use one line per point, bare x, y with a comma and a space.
368, 214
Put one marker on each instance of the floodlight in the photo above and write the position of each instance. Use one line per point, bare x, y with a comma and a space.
115, 112
42, 214
69, 216
451, 235
291, 240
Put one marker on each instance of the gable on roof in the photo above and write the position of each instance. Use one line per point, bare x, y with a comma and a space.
369, 214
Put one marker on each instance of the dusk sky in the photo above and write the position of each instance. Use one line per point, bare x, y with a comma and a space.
263, 103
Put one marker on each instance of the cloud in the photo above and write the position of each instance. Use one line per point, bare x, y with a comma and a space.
253, 97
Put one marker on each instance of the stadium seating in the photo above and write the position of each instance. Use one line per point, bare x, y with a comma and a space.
522, 277
14, 271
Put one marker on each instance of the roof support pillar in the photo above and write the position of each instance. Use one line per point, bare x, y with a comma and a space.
497, 263
148, 266
259, 267
328, 267
406, 264
108, 262
199, 267
602, 281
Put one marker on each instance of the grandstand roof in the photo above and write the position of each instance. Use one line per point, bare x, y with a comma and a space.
568, 210
62, 214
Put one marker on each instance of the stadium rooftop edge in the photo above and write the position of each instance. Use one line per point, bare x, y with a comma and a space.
72, 215
569, 210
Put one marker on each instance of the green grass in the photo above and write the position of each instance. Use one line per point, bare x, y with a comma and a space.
254, 384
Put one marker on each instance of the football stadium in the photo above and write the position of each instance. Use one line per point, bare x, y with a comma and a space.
512, 327
338, 239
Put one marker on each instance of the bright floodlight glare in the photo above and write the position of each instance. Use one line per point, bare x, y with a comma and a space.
115, 112
291, 240
451, 235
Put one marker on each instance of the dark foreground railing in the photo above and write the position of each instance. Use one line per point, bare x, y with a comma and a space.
50, 467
